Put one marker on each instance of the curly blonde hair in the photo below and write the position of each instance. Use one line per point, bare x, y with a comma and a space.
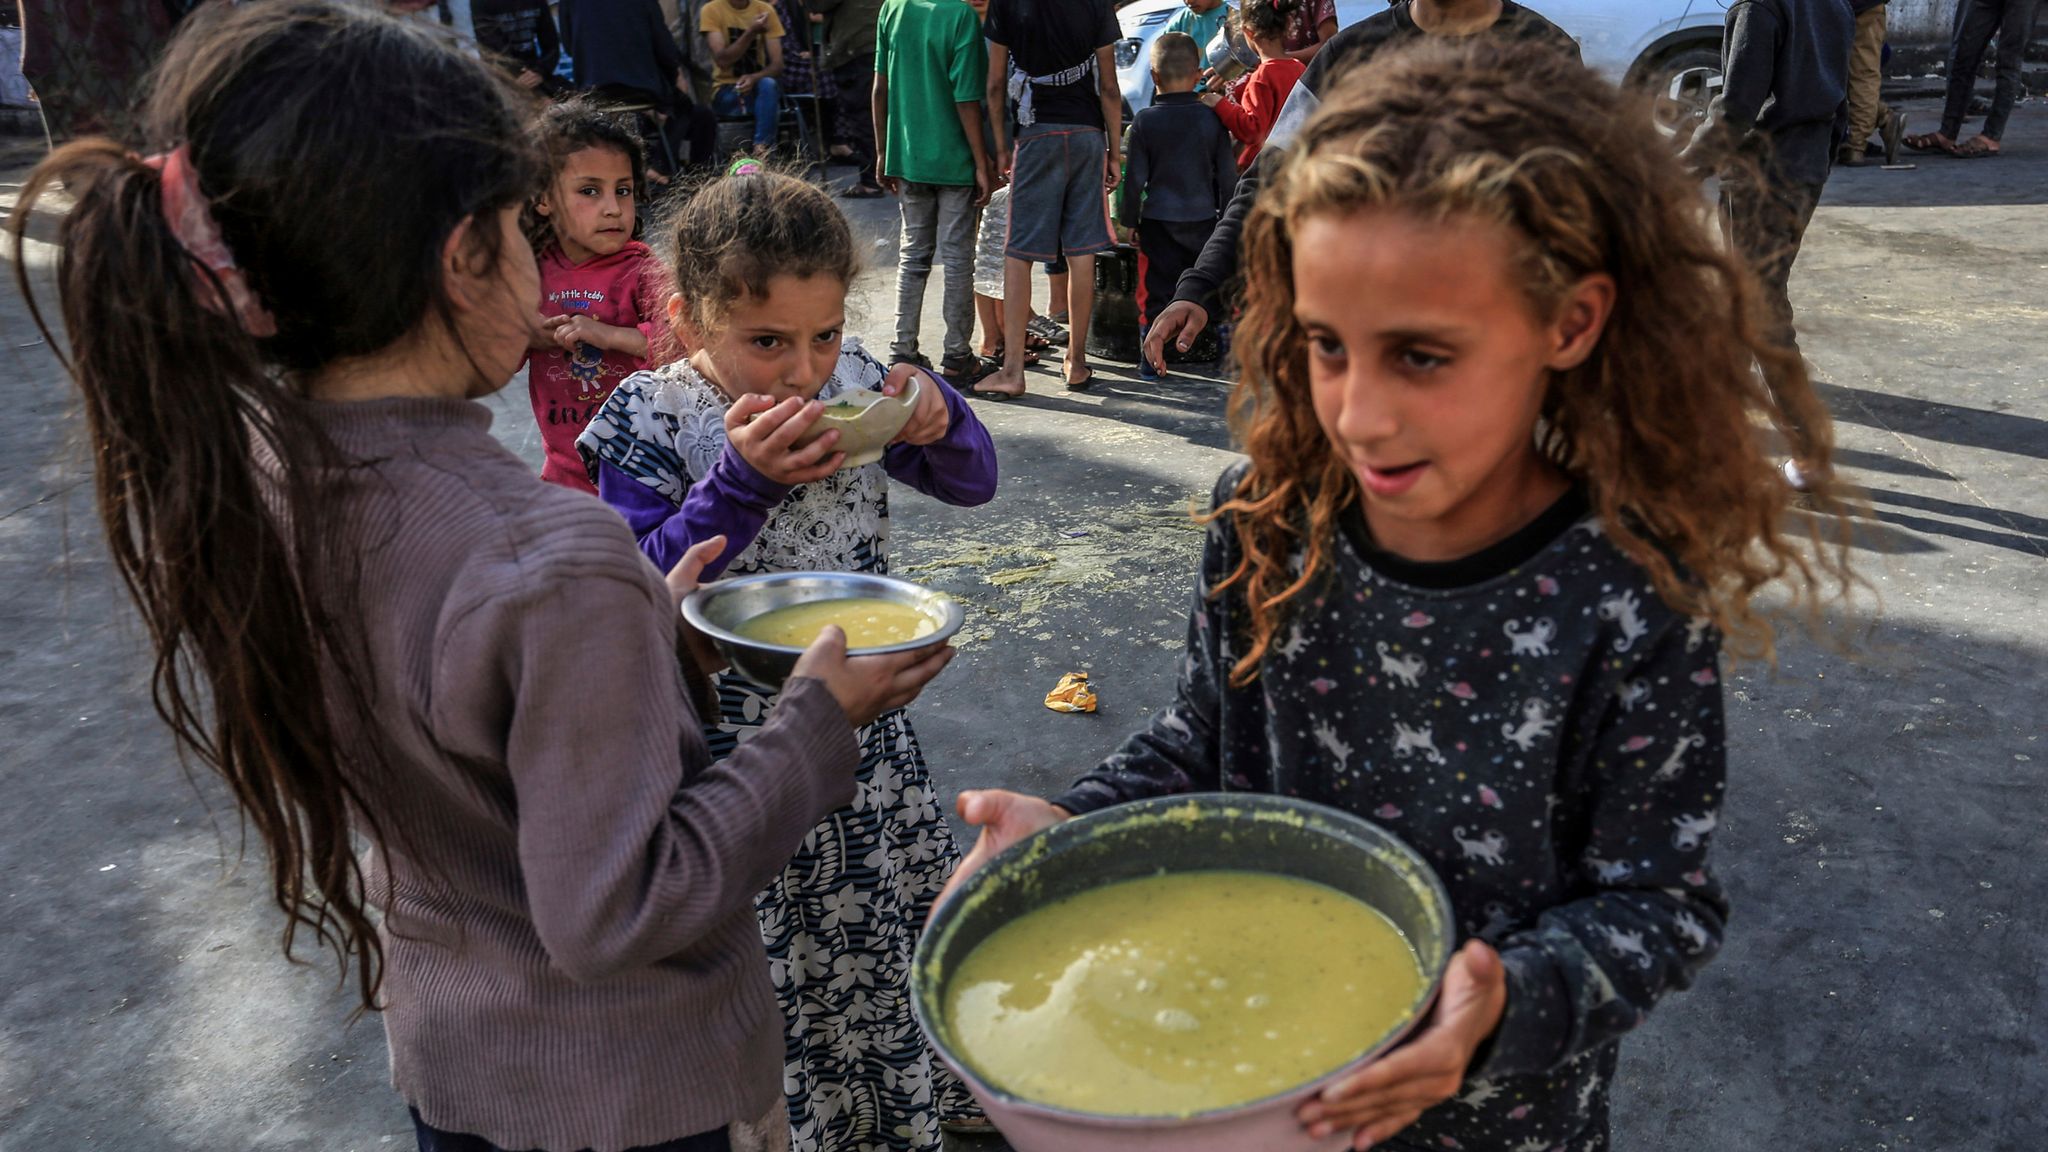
1657, 424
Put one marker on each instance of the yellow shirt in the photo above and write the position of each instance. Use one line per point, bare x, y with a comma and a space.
720, 16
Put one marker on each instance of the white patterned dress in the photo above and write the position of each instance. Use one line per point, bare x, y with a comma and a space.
841, 920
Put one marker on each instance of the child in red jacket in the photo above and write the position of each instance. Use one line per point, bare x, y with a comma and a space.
601, 302
1252, 114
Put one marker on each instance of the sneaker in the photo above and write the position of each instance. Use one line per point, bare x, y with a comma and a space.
1047, 329
1894, 133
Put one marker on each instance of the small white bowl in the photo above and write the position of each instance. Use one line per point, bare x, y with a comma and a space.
865, 434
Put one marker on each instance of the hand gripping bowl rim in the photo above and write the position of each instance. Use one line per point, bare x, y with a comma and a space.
1263, 805
952, 617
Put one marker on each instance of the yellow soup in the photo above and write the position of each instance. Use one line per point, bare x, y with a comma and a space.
868, 623
1181, 993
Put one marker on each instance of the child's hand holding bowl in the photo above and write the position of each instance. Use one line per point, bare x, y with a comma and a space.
931, 420
1394, 1091
769, 443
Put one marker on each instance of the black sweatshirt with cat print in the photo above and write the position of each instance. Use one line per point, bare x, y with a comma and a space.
1535, 722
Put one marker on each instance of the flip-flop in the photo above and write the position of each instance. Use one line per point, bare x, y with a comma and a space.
1031, 357
1083, 384
991, 395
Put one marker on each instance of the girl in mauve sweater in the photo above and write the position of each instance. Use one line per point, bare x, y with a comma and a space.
377, 626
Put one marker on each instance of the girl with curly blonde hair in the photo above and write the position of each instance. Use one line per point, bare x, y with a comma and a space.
1506, 498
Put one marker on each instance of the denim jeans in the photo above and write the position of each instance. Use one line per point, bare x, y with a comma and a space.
765, 102
937, 217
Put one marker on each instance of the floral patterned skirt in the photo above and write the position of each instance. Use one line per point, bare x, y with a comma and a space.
840, 923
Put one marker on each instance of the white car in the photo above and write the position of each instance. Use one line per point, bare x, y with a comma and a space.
1673, 46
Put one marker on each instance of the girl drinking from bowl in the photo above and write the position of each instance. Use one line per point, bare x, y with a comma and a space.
380, 628
1504, 502
713, 445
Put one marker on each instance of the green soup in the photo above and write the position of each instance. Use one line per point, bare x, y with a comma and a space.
1181, 993
867, 621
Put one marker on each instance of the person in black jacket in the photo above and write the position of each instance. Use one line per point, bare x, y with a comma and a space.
1771, 136
521, 33
622, 50
1181, 171
1405, 22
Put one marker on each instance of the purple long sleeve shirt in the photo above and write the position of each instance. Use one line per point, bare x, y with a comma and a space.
735, 500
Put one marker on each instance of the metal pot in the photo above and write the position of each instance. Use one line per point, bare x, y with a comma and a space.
718, 609
1202, 832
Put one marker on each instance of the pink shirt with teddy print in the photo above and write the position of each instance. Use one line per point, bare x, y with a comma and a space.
623, 290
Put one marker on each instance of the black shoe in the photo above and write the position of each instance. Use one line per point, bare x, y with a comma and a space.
1847, 157
921, 360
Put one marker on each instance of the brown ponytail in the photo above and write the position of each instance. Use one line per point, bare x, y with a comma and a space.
338, 150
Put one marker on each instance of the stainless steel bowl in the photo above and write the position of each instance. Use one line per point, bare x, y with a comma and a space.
718, 609
1202, 832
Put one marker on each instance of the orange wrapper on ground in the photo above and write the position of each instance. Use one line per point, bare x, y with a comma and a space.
1073, 694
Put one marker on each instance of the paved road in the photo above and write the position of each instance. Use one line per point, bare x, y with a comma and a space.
1882, 980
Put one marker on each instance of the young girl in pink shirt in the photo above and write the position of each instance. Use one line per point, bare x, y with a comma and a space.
600, 312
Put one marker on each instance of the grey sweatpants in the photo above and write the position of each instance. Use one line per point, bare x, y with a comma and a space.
1976, 21
941, 218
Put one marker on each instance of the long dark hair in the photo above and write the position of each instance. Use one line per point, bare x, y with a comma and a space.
338, 149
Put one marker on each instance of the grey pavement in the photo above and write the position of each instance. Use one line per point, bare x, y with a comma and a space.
1882, 982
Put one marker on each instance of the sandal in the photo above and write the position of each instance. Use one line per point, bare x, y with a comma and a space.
1931, 142
1031, 357
1083, 384
969, 372
1978, 147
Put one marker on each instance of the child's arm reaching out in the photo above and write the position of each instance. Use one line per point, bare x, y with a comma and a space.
1589, 970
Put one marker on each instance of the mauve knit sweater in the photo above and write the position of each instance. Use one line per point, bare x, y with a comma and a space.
572, 956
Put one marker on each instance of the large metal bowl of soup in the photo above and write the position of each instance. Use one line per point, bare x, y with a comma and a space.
761, 624
1195, 843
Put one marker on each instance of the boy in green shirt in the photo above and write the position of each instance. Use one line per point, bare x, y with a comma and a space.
930, 71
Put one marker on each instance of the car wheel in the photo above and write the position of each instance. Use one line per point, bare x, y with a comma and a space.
1682, 84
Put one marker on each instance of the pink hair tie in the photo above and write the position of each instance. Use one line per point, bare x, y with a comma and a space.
193, 224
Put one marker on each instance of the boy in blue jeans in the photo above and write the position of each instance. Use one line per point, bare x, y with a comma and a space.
1066, 159
1182, 173
746, 42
